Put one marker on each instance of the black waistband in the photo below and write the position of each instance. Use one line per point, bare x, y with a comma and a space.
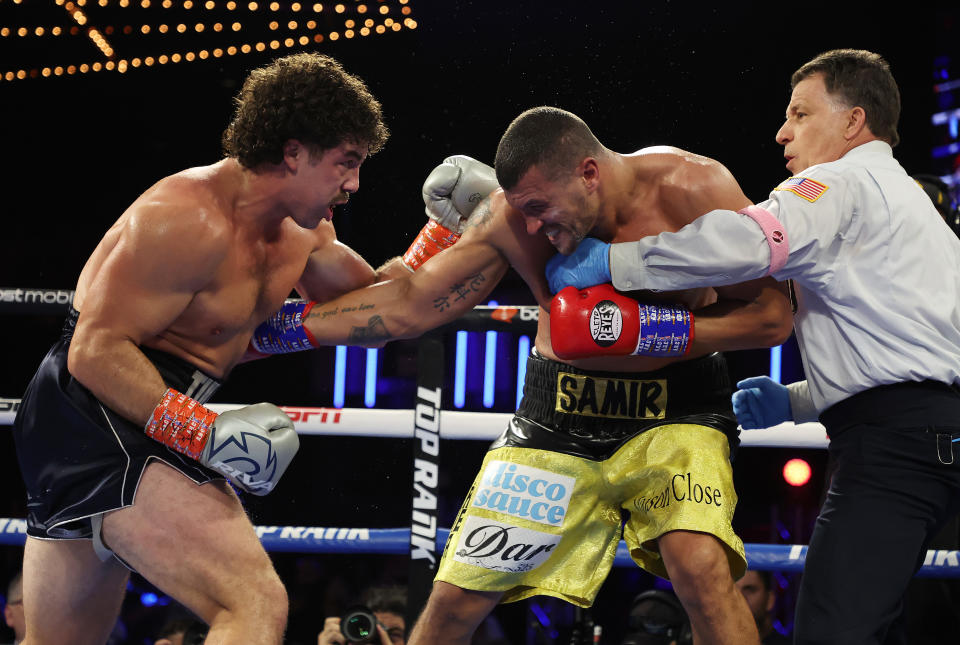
898, 405
567, 397
176, 372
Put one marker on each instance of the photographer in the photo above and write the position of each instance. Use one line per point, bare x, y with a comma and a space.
182, 631
942, 197
657, 618
387, 604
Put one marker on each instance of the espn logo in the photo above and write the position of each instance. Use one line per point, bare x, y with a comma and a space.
319, 415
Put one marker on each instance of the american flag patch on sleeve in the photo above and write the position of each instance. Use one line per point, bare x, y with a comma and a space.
805, 187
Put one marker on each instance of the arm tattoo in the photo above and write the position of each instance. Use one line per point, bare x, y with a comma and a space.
324, 314
375, 332
481, 214
460, 291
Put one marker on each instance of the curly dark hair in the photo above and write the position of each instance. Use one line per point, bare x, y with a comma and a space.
308, 97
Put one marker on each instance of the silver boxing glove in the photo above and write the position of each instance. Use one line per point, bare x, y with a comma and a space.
454, 188
251, 446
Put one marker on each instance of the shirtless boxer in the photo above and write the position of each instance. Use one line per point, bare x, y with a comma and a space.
112, 436
595, 435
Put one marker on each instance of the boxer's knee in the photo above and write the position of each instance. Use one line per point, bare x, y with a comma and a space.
698, 566
273, 596
455, 611
262, 587
256, 599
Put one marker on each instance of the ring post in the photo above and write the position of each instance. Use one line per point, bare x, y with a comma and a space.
424, 555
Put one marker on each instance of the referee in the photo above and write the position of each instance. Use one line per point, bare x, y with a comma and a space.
877, 277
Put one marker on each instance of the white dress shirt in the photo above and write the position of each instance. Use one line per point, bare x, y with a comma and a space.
877, 271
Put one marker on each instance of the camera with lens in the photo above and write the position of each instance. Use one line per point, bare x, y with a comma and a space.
196, 634
658, 618
359, 625
944, 199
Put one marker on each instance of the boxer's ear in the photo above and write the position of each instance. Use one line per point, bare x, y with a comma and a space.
294, 153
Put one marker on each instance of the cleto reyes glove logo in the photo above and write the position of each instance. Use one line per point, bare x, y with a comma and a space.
234, 474
606, 323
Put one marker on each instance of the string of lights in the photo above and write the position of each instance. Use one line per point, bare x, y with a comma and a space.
216, 29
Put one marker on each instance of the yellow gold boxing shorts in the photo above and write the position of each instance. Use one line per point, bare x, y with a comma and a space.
544, 518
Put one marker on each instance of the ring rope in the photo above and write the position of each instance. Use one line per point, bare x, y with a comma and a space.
938, 563
399, 424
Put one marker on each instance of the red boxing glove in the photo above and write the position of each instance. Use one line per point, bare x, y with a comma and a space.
598, 321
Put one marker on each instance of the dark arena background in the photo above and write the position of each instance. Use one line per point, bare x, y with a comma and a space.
88, 124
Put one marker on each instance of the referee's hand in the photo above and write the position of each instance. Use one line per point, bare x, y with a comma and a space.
761, 402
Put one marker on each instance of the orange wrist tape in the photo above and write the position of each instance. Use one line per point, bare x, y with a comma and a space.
432, 239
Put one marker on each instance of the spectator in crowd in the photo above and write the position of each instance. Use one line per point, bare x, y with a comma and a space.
13, 610
388, 605
182, 631
761, 596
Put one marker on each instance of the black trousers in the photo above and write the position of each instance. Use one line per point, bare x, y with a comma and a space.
896, 482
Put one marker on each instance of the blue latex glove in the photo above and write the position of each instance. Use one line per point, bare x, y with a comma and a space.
588, 265
761, 402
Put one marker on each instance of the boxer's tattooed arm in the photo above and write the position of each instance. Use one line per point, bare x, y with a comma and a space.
323, 314
460, 290
480, 215
374, 332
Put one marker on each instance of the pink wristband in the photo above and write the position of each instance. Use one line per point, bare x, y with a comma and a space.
775, 233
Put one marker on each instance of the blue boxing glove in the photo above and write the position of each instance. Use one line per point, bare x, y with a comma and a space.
587, 266
761, 402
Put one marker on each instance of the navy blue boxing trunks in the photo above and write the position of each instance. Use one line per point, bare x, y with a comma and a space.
78, 458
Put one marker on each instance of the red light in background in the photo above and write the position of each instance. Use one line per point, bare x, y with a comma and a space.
796, 472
